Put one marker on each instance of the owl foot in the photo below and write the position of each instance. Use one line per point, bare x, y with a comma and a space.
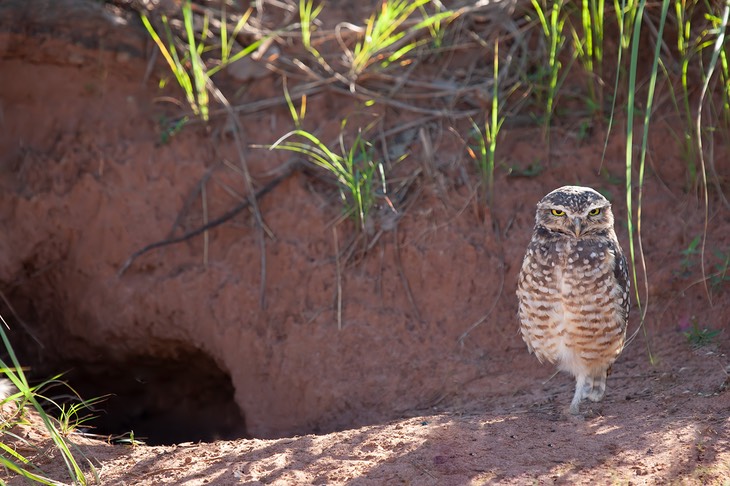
597, 387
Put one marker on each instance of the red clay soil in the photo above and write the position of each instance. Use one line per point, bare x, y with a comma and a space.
397, 364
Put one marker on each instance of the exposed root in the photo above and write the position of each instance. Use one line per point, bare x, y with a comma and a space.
211, 224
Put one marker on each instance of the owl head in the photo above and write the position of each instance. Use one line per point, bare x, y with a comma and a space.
575, 211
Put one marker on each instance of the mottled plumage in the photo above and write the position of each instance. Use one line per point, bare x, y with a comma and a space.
573, 289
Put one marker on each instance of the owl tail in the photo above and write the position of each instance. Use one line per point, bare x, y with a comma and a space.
592, 387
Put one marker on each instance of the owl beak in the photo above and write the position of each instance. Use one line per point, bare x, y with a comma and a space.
576, 226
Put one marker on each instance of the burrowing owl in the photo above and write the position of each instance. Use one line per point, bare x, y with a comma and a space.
573, 289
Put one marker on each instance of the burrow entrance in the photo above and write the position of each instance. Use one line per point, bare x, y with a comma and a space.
162, 401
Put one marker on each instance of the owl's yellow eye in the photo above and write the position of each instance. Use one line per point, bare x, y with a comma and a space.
557, 212
594, 212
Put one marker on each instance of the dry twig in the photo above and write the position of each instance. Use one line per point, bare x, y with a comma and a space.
213, 223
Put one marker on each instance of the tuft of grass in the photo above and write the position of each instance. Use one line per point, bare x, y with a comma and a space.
436, 28
384, 42
700, 336
128, 439
188, 69
533, 169
170, 128
689, 254
626, 13
226, 46
308, 13
184, 56
588, 46
552, 21
721, 275
691, 257
683, 17
355, 169
634, 226
74, 415
486, 138
12, 459
692, 42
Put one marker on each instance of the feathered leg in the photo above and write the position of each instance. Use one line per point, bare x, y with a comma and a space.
582, 386
598, 387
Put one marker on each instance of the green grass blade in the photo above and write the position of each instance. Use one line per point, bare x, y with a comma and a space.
225, 45
541, 16
198, 69
163, 49
642, 159
381, 33
717, 49
616, 80
239, 55
21, 383
20, 471
170, 55
307, 16
633, 62
181, 74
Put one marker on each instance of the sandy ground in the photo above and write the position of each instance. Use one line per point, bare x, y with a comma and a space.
664, 424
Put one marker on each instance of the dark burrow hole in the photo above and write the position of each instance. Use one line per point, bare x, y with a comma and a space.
175, 393
162, 401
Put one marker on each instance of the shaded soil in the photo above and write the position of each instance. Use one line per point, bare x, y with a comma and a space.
392, 356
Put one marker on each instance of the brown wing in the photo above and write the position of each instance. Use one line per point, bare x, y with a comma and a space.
621, 273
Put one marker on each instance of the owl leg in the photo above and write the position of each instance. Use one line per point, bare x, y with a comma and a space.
598, 387
582, 386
